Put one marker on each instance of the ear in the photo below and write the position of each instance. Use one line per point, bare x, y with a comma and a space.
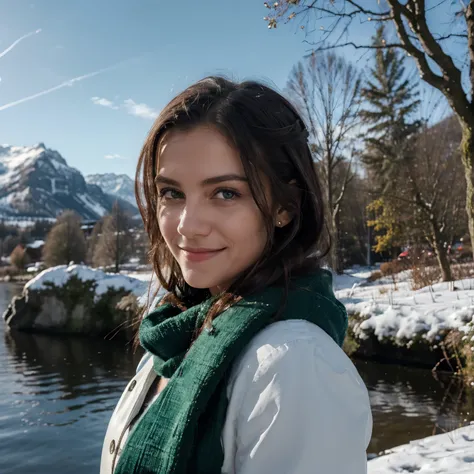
283, 217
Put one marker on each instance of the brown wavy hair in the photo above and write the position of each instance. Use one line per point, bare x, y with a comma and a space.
272, 141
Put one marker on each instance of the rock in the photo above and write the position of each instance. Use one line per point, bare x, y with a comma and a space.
76, 300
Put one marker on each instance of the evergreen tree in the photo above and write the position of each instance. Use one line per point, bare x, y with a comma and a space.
392, 99
65, 242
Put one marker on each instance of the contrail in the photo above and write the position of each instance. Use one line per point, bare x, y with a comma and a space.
68, 83
18, 41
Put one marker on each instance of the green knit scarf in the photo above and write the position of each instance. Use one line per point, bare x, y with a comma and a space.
181, 431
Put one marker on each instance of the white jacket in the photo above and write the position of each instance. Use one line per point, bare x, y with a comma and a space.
297, 405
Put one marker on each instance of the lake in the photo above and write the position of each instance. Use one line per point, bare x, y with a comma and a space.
58, 394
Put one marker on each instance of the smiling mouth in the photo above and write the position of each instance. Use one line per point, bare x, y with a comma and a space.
199, 255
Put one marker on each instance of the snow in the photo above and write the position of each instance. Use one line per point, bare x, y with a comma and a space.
7, 201
24, 222
37, 165
36, 244
61, 274
120, 185
95, 207
15, 158
447, 453
143, 276
395, 310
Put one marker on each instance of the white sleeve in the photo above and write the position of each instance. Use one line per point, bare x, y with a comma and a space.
296, 411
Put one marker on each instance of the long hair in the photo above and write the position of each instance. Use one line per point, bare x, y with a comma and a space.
272, 141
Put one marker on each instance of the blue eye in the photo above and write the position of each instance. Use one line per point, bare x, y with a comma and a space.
170, 193
227, 194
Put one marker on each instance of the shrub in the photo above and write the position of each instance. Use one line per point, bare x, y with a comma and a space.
393, 267
423, 276
375, 276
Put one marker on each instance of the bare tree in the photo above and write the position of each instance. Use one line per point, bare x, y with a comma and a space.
93, 241
115, 242
434, 180
326, 89
65, 242
426, 204
446, 71
19, 258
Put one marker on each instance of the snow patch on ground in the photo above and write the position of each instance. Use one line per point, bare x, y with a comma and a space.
393, 309
447, 453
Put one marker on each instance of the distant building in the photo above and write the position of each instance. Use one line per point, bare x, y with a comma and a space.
35, 250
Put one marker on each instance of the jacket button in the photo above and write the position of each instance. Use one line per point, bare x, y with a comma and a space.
132, 385
112, 447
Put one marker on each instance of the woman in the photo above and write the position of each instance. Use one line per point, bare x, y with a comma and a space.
244, 371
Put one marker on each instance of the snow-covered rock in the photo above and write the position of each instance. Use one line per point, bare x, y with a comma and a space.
76, 299
60, 275
37, 182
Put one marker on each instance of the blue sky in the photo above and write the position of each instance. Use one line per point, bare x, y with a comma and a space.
135, 56
154, 48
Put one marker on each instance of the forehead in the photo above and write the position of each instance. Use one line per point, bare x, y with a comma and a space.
201, 151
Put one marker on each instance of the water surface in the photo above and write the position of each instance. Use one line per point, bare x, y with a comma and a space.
57, 395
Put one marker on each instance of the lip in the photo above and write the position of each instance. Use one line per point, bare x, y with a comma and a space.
199, 254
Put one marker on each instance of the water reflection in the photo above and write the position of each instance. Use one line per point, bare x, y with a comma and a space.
56, 400
67, 374
410, 403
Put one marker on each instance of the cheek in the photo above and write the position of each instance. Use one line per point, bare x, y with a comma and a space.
168, 223
248, 231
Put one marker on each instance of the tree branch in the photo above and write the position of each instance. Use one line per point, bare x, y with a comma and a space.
470, 42
347, 180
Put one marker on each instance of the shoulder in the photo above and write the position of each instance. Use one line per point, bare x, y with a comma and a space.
292, 342
298, 363
294, 388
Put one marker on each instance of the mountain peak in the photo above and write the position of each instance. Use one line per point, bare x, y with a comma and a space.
37, 182
119, 185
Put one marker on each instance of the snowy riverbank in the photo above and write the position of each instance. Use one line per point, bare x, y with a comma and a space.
447, 453
389, 309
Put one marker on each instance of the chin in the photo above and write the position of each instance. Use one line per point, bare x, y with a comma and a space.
199, 280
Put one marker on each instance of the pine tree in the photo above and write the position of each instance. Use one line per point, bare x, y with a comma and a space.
65, 242
115, 244
392, 99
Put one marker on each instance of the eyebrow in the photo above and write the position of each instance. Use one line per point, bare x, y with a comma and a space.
214, 180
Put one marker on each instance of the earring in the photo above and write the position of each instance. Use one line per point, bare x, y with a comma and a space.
279, 223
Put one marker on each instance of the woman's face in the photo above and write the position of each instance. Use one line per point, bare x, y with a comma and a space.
206, 212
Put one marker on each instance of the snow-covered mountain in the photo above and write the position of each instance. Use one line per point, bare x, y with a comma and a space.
37, 182
120, 185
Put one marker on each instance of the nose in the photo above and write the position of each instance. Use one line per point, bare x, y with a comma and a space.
194, 222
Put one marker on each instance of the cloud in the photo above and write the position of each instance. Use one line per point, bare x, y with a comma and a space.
114, 157
104, 102
139, 110
67, 83
129, 105
19, 40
